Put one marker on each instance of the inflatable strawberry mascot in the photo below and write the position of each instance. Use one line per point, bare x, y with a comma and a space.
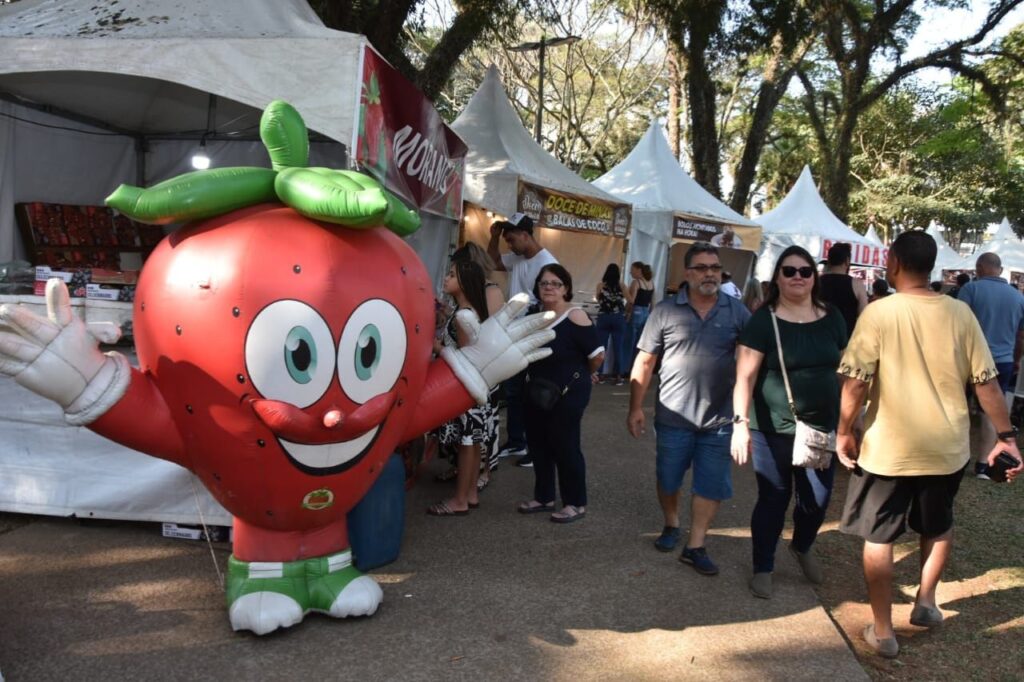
284, 345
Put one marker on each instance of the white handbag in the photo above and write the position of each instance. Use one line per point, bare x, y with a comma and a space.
811, 448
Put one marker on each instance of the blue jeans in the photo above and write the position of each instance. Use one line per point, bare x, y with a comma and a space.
776, 480
707, 451
636, 327
614, 324
514, 425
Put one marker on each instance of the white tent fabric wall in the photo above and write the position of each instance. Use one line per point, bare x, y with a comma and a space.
49, 467
650, 242
946, 258
801, 218
872, 236
1008, 246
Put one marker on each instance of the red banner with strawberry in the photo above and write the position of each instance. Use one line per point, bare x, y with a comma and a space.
402, 141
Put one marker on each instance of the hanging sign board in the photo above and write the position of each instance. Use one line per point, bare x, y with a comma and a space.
695, 230
401, 140
561, 211
730, 236
866, 255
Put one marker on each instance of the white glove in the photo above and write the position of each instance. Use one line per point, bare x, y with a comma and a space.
58, 357
499, 348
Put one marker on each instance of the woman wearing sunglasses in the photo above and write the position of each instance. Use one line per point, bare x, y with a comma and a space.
813, 336
557, 391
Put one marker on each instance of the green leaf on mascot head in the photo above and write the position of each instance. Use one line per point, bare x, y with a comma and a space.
196, 195
344, 197
284, 135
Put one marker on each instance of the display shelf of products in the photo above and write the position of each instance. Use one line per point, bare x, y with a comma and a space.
66, 236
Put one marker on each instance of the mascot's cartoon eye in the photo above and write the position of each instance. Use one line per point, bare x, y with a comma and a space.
367, 352
300, 355
289, 353
371, 352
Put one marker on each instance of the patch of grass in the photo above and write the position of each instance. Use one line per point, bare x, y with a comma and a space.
982, 592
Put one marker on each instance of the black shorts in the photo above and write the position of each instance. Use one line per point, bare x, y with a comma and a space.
879, 508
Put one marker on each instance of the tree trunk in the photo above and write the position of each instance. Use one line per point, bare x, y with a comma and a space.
675, 97
700, 90
835, 178
769, 94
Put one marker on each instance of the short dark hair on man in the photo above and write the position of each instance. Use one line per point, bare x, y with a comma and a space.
962, 279
696, 249
915, 251
880, 287
839, 253
525, 224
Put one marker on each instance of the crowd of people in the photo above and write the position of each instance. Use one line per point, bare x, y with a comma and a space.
759, 375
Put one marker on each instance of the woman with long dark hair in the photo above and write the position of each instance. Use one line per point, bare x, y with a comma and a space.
557, 392
471, 434
611, 320
641, 298
813, 335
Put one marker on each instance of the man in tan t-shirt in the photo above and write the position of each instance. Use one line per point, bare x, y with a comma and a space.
911, 355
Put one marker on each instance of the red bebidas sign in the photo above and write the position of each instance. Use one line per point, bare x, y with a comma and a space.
863, 255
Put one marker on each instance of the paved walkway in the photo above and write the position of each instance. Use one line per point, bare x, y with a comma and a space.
494, 595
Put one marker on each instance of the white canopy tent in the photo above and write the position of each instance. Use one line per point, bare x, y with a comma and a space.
652, 180
873, 237
946, 257
94, 94
802, 218
1008, 246
502, 156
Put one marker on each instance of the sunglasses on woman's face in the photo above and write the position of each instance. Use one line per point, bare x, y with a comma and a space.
805, 271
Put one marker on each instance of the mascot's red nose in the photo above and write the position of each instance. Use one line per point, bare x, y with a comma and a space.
298, 426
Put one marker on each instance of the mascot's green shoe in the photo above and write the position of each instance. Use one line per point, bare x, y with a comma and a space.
338, 589
266, 595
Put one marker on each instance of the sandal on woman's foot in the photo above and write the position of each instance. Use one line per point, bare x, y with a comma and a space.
450, 475
482, 482
442, 509
534, 507
568, 514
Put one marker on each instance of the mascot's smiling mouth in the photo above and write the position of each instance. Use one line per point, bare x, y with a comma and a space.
329, 445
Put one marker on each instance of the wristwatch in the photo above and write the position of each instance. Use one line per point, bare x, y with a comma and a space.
740, 419
1010, 435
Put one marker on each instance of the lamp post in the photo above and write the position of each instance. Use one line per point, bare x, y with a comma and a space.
544, 43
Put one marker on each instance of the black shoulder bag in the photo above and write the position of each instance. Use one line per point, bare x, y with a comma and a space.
544, 393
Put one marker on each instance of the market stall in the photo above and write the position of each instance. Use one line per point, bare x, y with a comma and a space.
507, 171
97, 94
802, 218
93, 95
671, 211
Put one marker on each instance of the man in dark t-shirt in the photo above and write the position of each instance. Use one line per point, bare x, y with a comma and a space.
839, 288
